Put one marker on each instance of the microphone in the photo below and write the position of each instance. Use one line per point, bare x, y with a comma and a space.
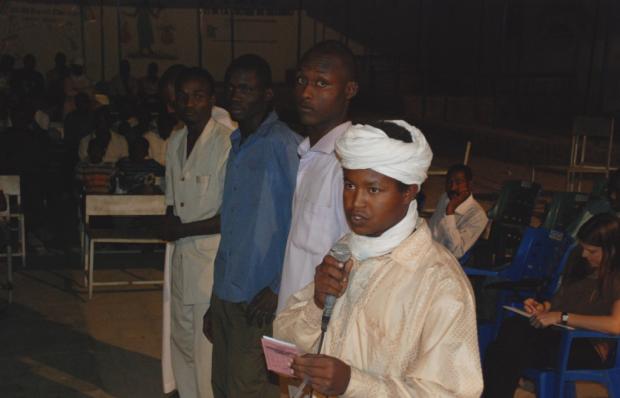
342, 253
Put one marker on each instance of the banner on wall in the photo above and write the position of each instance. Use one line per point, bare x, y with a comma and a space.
149, 33
41, 29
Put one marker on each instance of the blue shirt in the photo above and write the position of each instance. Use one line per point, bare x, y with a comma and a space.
256, 211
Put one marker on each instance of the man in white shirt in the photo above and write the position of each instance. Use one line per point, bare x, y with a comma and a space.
116, 147
458, 219
325, 84
195, 172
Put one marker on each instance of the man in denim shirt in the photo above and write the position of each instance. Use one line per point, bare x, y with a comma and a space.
256, 214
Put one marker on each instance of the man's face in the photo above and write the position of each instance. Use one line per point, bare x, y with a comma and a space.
457, 183
373, 202
323, 90
246, 95
194, 101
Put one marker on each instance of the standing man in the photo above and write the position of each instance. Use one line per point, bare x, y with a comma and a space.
195, 169
458, 220
404, 323
256, 214
325, 84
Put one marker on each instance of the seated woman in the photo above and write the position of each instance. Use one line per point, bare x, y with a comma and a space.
589, 298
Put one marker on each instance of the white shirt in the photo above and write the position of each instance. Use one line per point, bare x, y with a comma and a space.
116, 150
222, 116
194, 187
459, 231
318, 219
157, 147
406, 324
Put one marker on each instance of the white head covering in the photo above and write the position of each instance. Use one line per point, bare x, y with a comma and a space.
367, 147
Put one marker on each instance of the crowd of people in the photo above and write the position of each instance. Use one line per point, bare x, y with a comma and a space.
254, 208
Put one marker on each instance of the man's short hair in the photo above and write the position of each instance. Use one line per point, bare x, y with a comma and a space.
337, 49
251, 62
455, 168
392, 130
195, 73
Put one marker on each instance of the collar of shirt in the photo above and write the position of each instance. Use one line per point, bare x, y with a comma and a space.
463, 207
326, 144
263, 129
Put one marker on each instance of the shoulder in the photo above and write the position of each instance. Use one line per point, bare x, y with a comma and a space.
426, 261
221, 133
280, 135
118, 137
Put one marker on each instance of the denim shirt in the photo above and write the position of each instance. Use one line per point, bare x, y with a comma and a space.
256, 211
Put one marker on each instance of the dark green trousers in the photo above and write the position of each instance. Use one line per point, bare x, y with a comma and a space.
239, 369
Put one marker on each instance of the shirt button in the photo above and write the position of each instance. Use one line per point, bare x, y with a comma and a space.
182, 178
182, 204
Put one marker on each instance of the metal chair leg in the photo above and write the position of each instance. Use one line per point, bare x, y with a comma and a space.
91, 264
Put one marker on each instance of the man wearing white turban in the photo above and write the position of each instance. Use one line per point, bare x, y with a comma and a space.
404, 324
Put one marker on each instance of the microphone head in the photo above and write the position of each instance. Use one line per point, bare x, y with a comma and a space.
340, 252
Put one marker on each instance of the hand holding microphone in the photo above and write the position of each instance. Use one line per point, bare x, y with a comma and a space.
331, 277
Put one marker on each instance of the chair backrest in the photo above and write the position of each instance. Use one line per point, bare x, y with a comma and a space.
585, 127
532, 255
515, 203
564, 208
124, 205
564, 253
10, 184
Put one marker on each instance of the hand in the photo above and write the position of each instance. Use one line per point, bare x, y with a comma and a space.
327, 375
171, 228
330, 277
456, 201
533, 307
545, 319
207, 327
261, 311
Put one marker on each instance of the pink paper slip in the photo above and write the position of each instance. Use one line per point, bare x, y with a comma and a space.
279, 354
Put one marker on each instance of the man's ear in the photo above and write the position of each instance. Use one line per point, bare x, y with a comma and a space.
351, 89
410, 193
269, 95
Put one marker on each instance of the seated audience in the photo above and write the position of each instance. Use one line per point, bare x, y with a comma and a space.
115, 144
95, 174
55, 80
404, 323
27, 81
124, 84
458, 219
148, 88
137, 172
77, 82
610, 204
158, 138
589, 298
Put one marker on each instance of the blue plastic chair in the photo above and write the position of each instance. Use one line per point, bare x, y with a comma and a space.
560, 382
535, 271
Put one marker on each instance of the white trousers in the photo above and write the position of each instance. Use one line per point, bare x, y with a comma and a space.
190, 349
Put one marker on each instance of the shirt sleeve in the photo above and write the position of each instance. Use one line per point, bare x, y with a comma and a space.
169, 177
300, 322
445, 363
221, 171
460, 239
285, 153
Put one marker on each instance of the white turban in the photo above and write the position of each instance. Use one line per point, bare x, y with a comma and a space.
367, 147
